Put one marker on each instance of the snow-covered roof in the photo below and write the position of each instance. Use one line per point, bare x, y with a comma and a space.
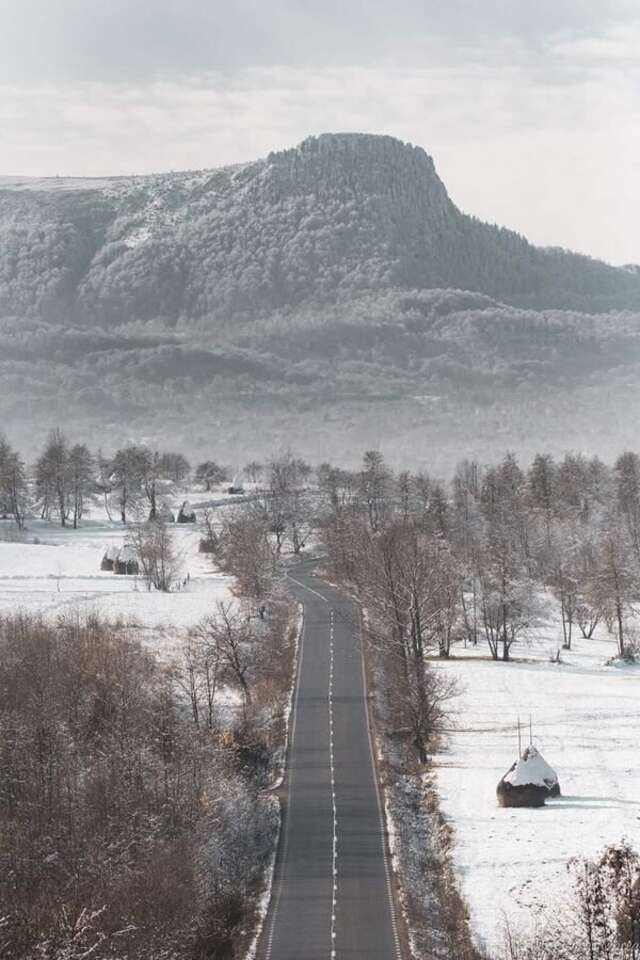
531, 770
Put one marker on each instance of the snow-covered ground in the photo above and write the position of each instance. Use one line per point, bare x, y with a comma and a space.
586, 723
61, 573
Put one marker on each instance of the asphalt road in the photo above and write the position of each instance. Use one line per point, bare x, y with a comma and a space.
331, 893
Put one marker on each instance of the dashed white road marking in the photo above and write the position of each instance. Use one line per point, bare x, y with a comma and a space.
381, 816
305, 587
334, 858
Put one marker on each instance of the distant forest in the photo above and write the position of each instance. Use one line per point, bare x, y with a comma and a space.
325, 289
434, 373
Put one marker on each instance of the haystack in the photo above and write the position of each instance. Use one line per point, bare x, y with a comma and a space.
126, 563
528, 782
166, 514
109, 558
186, 515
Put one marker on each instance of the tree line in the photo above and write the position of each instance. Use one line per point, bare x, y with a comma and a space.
467, 560
474, 561
67, 479
459, 561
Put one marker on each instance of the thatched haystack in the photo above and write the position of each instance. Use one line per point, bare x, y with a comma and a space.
126, 563
166, 514
185, 515
207, 545
109, 559
528, 782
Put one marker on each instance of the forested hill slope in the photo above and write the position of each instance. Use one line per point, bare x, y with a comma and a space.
337, 217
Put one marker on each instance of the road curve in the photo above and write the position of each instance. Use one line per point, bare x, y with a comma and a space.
331, 893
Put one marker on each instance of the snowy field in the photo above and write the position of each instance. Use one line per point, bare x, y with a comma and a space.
586, 723
61, 574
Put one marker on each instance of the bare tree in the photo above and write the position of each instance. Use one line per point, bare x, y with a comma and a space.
229, 642
210, 542
211, 474
507, 603
627, 482
407, 582
420, 700
286, 501
125, 478
13, 484
196, 673
253, 471
153, 547
82, 485
53, 478
338, 489
175, 467
601, 920
245, 549
618, 577
151, 469
374, 482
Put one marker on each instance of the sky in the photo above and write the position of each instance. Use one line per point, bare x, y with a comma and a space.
530, 108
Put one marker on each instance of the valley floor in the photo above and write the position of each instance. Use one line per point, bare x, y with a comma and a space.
61, 574
512, 864
586, 721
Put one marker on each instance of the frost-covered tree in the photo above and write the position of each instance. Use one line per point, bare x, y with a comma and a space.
229, 641
617, 577
154, 548
626, 473
82, 480
125, 476
245, 548
53, 478
374, 484
210, 474
286, 501
175, 467
14, 494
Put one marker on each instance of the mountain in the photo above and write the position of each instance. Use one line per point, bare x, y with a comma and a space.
337, 216
333, 288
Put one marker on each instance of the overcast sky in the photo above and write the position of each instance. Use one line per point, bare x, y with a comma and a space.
530, 108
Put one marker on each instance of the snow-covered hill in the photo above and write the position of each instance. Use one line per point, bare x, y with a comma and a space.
337, 215
333, 288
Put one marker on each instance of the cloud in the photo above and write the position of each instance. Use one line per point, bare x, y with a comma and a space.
83, 40
617, 46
